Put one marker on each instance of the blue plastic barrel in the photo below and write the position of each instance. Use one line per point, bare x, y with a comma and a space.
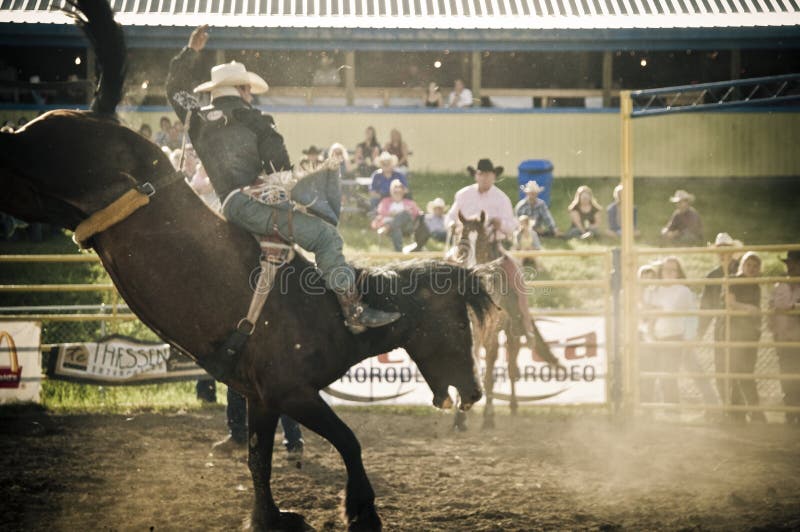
539, 170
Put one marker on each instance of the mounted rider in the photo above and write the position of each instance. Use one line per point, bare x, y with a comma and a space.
240, 146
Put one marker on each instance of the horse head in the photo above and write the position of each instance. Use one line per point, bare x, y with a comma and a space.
473, 245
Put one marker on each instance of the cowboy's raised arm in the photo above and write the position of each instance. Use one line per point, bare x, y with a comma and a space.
183, 75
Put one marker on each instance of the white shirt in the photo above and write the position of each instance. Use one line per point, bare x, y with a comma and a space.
460, 100
675, 297
493, 202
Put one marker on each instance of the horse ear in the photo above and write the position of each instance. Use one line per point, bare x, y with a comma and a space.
461, 218
483, 217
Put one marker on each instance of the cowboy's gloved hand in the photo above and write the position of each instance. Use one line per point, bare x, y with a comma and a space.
199, 38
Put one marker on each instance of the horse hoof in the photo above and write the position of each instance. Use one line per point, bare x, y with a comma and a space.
365, 520
282, 522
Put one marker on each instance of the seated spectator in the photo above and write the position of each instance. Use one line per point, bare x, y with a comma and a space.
396, 215
362, 162
203, 187
370, 143
327, 74
746, 297
399, 149
525, 238
461, 96
175, 136
647, 360
338, 151
584, 215
433, 96
614, 216
786, 328
536, 209
162, 135
685, 225
383, 177
146, 131
434, 219
312, 158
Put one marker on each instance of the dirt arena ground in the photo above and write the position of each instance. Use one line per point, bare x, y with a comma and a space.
534, 472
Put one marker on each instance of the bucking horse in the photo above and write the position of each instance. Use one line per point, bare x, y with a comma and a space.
186, 273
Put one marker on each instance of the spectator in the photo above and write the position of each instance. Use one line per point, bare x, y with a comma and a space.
536, 209
433, 96
146, 131
746, 297
370, 143
338, 151
236, 414
614, 216
175, 136
326, 74
525, 238
685, 225
312, 158
583, 212
362, 162
383, 177
647, 359
399, 149
711, 299
461, 96
674, 297
397, 215
434, 219
162, 135
786, 328
485, 197
203, 187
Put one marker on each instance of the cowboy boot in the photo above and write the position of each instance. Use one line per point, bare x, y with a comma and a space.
358, 316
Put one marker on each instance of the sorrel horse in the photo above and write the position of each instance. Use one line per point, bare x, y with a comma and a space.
185, 272
474, 246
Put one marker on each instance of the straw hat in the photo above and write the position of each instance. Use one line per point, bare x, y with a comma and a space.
681, 195
724, 239
385, 158
532, 186
312, 150
231, 75
438, 202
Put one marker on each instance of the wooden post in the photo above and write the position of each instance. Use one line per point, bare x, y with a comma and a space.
608, 77
350, 76
630, 364
476, 78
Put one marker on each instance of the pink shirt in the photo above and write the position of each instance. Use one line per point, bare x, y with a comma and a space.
493, 202
385, 213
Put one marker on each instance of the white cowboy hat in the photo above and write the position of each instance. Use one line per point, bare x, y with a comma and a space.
386, 157
438, 202
681, 195
532, 186
724, 239
231, 75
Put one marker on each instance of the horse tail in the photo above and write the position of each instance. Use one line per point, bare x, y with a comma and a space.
96, 20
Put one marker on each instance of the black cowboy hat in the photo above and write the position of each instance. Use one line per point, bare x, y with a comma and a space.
792, 256
312, 149
485, 165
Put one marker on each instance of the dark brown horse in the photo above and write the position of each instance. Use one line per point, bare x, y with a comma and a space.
186, 273
474, 246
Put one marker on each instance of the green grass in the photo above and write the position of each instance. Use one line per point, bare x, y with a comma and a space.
757, 211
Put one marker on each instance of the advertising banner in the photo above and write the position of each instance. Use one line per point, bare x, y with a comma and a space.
578, 342
117, 360
20, 361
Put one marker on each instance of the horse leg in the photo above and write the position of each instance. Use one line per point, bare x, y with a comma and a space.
491, 347
261, 424
359, 503
512, 352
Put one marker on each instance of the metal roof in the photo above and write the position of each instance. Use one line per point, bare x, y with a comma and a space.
430, 14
